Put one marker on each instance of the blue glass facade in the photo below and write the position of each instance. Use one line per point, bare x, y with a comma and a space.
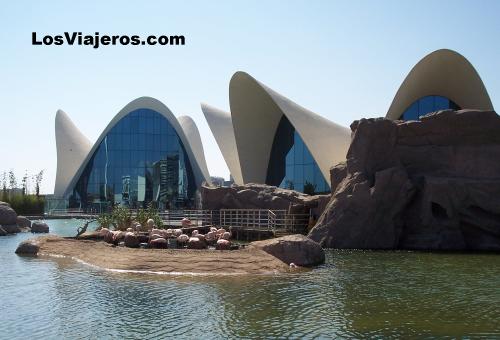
291, 165
140, 160
426, 105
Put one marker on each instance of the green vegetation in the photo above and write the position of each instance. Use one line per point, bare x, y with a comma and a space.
309, 188
25, 200
121, 218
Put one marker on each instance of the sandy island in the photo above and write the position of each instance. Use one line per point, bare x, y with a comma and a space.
250, 260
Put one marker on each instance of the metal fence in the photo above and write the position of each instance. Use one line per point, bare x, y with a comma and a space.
262, 219
249, 219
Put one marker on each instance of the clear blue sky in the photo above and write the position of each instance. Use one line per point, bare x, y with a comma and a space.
342, 59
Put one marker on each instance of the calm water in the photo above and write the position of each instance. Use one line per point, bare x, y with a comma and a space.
355, 294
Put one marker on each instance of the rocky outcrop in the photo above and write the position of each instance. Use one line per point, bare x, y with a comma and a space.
296, 249
39, 227
7, 215
23, 222
261, 196
428, 184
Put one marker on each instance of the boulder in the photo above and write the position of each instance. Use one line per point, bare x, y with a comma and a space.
7, 215
11, 229
297, 249
2, 231
158, 243
23, 222
28, 247
430, 185
131, 240
39, 227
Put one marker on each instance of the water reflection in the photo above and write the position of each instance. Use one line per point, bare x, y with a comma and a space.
356, 294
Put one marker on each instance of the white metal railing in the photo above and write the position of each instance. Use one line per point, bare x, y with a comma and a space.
262, 219
197, 217
255, 219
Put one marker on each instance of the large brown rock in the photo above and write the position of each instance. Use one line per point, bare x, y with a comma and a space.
39, 227
23, 222
297, 249
28, 247
429, 184
11, 228
131, 240
7, 215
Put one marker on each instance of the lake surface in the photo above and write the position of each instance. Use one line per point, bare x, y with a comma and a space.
356, 294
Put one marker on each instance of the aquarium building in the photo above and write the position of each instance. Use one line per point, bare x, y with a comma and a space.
145, 155
267, 138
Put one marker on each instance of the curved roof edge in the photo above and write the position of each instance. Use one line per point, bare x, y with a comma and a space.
256, 111
143, 103
72, 147
194, 139
443, 73
221, 125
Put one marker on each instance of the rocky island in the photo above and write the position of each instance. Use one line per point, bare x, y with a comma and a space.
262, 257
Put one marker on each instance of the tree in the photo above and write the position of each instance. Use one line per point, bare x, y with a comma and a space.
38, 182
12, 180
4, 186
309, 188
25, 183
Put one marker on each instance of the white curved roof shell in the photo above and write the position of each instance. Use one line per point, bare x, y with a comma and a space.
256, 111
222, 128
72, 148
198, 163
193, 136
443, 73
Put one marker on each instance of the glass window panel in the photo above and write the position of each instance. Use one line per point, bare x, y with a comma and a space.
142, 125
441, 103
412, 112
149, 125
299, 150
308, 158
309, 174
157, 125
141, 142
150, 142
425, 105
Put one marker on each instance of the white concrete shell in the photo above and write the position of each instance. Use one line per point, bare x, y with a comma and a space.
443, 73
221, 124
193, 136
156, 105
256, 111
72, 148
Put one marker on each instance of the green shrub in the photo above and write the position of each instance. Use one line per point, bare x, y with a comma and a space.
25, 204
122, 218
105, 221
